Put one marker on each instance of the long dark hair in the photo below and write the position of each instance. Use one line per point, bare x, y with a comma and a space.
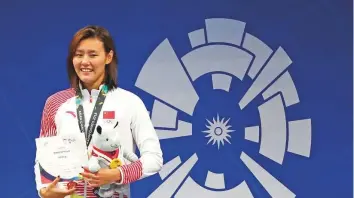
104, 36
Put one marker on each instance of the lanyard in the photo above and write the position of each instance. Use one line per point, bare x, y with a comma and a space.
94, 116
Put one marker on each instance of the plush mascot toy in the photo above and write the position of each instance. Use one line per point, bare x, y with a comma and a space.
107, 152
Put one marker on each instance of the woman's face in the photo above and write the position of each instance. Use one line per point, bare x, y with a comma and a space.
89, 62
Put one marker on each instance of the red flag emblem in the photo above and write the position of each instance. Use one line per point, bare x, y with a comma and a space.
108, 114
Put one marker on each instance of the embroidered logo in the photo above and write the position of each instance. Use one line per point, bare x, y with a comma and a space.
71, 113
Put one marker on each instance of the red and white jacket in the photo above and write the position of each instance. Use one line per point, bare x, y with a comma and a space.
136, 129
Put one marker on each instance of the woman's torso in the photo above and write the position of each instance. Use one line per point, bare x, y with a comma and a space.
117, 107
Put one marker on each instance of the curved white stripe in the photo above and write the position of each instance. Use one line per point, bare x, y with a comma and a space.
225, 30
300, 137
273, 129
190, 186
260, 50
215, 180
197, 38
217, 58
221, 81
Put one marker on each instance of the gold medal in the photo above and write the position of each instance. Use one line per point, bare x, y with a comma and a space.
115, 163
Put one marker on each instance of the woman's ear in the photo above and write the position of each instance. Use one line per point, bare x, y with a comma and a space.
109, 57
99, 129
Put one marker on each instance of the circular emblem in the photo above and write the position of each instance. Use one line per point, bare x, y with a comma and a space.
225, 109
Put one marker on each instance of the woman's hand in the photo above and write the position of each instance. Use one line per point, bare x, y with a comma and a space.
51, 191
102, 177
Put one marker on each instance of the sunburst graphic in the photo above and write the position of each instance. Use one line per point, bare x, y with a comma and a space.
218, 131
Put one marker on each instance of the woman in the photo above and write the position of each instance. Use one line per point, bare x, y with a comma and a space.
92, 67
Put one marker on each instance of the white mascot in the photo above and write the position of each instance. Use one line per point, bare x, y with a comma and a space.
107, 151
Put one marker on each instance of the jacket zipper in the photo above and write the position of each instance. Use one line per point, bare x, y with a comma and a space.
85, 184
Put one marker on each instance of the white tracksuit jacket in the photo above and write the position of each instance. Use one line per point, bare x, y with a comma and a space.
136, 128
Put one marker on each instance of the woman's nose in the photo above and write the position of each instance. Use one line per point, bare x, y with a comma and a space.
85, 60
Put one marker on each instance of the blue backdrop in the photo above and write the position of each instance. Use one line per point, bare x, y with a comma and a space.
316, 79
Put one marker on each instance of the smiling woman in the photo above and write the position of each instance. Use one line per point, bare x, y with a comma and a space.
92, 71
92, 57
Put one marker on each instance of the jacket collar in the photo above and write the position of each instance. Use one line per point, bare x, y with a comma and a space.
86, 94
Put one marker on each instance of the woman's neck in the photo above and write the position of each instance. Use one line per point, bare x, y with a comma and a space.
92, 86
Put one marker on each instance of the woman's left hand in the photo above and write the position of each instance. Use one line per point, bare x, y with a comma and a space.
102, 177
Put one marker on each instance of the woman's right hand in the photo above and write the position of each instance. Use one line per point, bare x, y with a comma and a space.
51, 191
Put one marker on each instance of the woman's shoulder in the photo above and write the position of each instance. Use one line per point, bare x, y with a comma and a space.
126, 95
60, 97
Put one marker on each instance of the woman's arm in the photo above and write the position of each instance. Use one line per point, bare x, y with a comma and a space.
47, 128
147, 141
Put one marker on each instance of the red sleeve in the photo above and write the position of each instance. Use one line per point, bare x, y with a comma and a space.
48, 127
131, 172
52, 104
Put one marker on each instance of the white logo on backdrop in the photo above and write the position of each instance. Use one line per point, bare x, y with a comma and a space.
225, 51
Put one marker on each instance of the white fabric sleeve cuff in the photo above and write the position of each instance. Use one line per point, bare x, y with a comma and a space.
121, 177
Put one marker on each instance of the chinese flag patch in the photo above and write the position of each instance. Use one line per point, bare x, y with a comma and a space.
108, 114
